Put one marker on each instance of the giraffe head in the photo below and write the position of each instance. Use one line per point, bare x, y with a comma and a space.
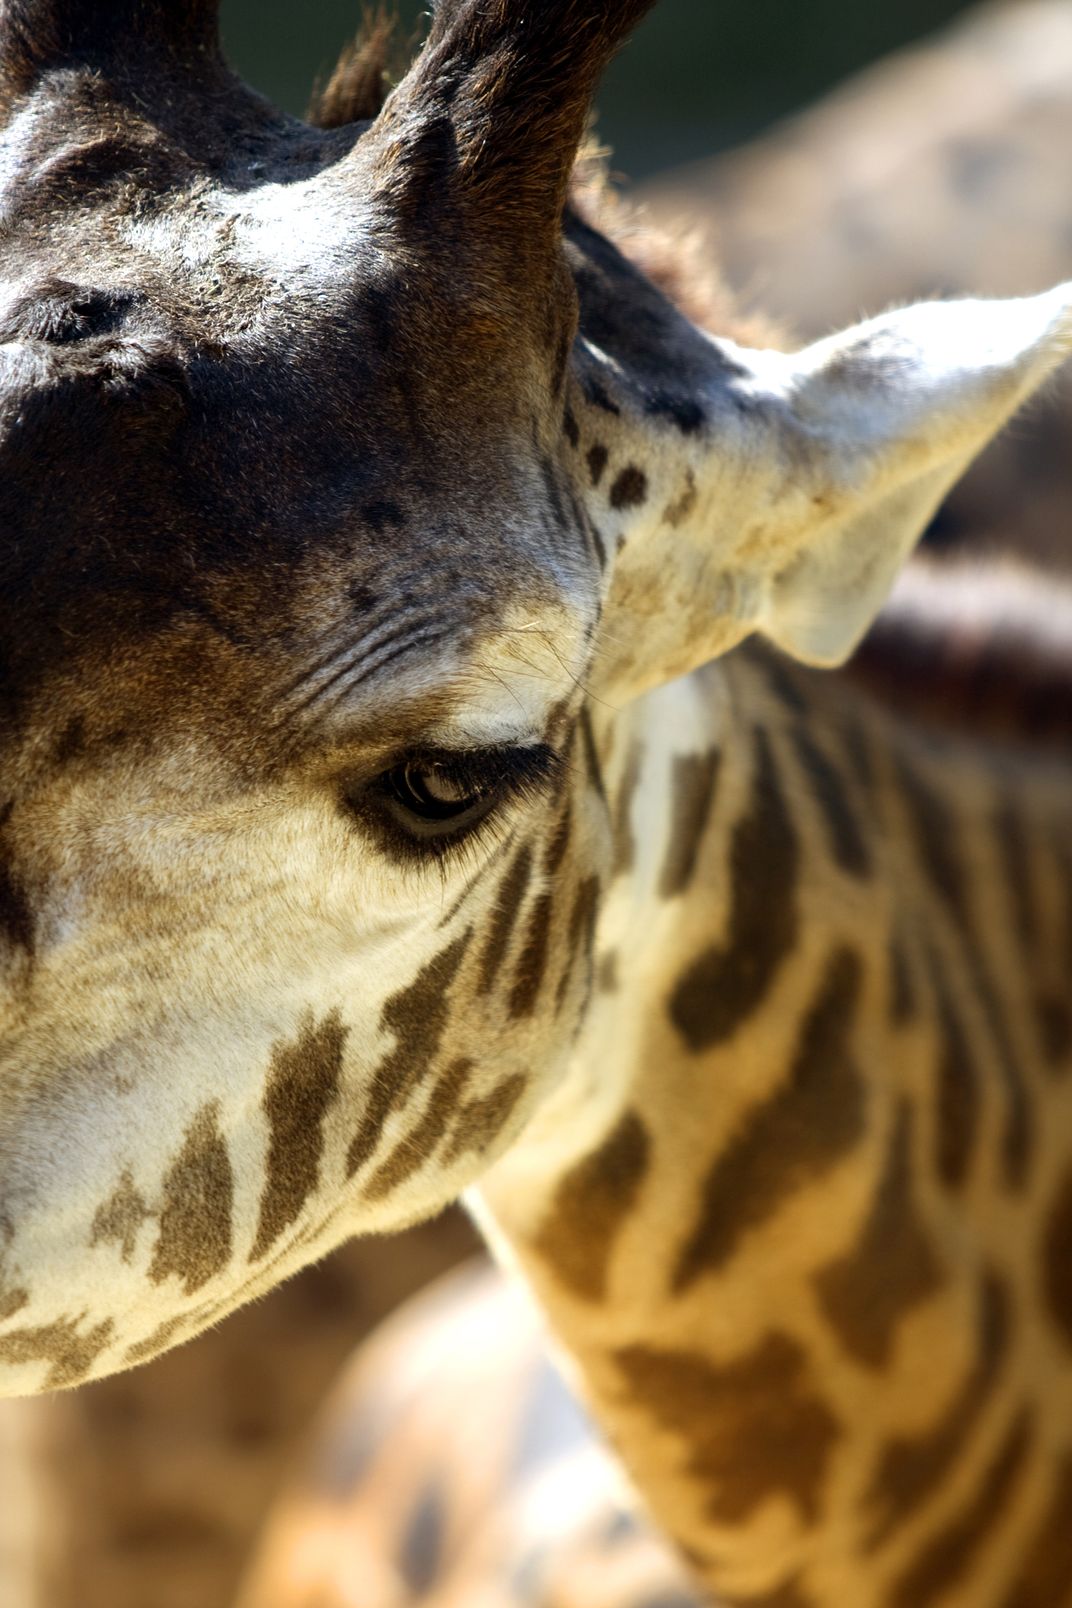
297, 600
302, 579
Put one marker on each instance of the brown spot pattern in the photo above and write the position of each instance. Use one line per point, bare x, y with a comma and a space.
936, 833
195, 1220
904, 1002
692, 791
630, 488
726, 984
417, 1016
676, 512
1053, 1016
158, 1341
303, 1084
957, 1112
1053, 1003
1063, 855
625, 793
1016, 863
592, 765
911, 1471
892, 1268
804, 1130
751, 1430
783, 677
597, 462
843, 830
70, 1353
580, 938
531, 964
1057, 1259
858, 753
507, 909
1055, 1009
120, 1218
591, 1206
483, 1118
607, 979
1045, 1576
948, 1557
1018, 1140
559, 844
414, 1149
12, 1301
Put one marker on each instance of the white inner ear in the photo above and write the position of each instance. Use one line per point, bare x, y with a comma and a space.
823, 603
880, 422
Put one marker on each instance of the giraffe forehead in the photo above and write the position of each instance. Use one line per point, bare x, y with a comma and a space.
252, 443
252, 595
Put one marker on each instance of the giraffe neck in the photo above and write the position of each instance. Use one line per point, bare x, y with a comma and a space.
778, 1211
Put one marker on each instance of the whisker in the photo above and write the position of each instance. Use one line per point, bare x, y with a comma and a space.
494, 674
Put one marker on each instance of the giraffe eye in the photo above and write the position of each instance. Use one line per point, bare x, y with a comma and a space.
431, 801
436, 794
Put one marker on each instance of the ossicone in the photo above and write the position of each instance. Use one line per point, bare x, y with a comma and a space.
490, 117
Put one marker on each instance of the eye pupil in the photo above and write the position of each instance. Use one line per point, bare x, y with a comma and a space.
433, 793
437, 798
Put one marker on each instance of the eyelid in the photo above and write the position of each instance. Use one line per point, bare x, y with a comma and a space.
516, 774
486, 769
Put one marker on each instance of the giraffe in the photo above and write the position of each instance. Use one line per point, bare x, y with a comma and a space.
451, 1464
420, 773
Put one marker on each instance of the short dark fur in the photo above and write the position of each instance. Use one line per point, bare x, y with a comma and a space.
187, 428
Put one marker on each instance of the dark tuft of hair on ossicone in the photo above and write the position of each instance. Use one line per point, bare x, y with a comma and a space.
363, 75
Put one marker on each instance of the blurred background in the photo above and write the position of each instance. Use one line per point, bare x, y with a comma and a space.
834, 157
696, 77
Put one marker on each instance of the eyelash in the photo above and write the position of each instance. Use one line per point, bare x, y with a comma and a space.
501, 775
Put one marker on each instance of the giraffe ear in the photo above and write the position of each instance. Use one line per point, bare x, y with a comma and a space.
883, 420
811, 478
